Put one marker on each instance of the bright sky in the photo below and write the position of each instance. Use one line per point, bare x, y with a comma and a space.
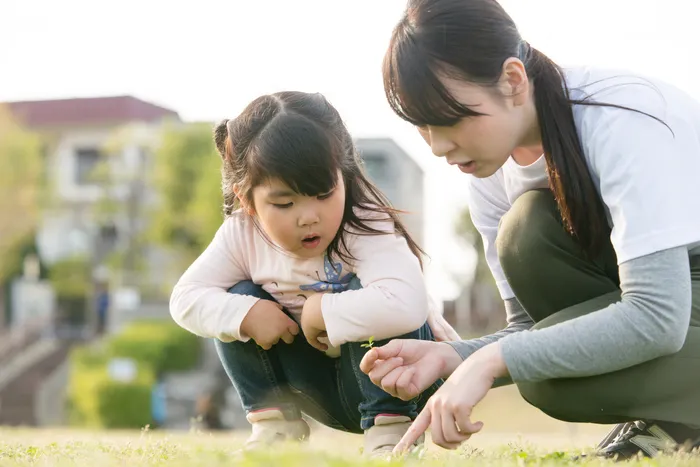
206, 59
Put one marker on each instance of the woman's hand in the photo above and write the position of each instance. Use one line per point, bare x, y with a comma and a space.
406, 367
448, 412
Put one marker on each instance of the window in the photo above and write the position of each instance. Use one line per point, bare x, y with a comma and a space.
86, 159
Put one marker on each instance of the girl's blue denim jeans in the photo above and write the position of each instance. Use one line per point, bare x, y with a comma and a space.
298, 378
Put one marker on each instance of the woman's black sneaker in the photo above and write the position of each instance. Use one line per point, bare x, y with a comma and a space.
647, 439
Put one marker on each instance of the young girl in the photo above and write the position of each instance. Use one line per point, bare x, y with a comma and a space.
585, 190
310, 262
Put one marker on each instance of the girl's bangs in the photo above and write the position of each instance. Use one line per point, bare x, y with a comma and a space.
413, 88
298, 152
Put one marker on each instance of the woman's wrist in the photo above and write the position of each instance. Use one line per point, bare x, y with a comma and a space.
450, 359
491, 358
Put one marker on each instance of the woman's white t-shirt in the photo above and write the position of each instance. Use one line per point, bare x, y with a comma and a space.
647, 173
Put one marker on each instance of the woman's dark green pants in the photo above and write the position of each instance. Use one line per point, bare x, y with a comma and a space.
555, 282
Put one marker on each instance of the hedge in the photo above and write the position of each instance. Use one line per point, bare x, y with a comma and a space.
96, 400
164, 346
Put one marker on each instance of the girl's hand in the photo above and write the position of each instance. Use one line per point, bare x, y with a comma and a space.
448, 412
267, 324
312, 323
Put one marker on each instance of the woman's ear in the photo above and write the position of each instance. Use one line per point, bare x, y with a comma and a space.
515, 82
244, 204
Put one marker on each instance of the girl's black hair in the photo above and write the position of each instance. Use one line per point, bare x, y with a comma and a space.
300, 139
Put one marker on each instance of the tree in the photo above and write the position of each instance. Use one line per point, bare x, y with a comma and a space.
464, 228
21, 173
122, 178
187, 178
486, 307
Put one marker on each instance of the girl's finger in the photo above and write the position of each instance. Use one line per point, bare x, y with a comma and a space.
287, 337
315, 343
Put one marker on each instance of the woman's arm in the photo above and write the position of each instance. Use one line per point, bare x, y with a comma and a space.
517, 320
651, 320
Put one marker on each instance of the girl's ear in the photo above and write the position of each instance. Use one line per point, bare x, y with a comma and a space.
244, 204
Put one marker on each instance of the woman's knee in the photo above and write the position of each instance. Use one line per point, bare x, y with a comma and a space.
543, 395
563, 400
525, 231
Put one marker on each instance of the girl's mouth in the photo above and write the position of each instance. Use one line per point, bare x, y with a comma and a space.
468, 168
311, 241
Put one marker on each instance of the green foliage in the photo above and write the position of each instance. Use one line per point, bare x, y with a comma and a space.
96, 400
15, 253
163, 346
464, 228
205, 212
21, 181
70, 277
125, 405
187, 178
155, 346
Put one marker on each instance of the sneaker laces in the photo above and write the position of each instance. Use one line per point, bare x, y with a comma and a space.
630, 430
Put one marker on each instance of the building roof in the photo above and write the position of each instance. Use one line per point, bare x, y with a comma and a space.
88, 111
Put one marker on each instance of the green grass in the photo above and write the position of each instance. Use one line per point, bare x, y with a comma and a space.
514, 434
134, 449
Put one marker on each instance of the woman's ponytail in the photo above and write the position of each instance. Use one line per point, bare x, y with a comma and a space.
580, 206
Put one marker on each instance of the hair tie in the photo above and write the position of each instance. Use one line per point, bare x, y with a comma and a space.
523, 50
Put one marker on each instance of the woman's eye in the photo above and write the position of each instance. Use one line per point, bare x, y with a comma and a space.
325, 196
282, 206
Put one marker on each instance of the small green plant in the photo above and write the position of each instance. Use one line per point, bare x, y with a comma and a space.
369, 344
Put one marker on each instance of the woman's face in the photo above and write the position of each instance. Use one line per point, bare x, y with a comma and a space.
481, 145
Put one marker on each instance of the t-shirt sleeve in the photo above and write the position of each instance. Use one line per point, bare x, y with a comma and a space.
393, 299
646, 173
488, 203
200, 302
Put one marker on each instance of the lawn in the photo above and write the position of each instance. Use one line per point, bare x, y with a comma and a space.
514, 435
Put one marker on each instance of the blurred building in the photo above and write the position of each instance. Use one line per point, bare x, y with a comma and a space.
80, 218
80, 135
399, 177
97, 154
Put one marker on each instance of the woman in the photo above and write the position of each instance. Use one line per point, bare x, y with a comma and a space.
584, 189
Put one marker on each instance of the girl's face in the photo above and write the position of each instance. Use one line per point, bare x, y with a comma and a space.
301, 225
481, 145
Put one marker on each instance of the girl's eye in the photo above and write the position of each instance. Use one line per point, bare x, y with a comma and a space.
283, 206
326, 196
